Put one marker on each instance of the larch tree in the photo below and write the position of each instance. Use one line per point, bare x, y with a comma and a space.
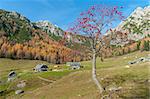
93, 23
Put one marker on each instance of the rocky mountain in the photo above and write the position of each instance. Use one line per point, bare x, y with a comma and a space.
57, 33
49, 28
22, 39
137, 23
134, 28
15, 26
18, 28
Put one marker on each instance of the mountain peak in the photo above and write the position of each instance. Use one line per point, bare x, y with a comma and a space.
49, 28
136, 25
139, 8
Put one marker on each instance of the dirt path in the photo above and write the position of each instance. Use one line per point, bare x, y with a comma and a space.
47, 80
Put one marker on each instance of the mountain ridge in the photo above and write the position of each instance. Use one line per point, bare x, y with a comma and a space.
42, 40
134, 28
21, 40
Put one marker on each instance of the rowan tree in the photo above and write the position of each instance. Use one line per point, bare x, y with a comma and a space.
92, 24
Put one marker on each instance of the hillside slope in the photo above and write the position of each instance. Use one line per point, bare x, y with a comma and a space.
133, 81
15, 26
19, 39
134, 28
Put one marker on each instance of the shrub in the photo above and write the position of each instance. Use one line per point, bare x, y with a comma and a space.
146, 45
138, 45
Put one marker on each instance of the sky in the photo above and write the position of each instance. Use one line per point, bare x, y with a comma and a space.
64, 12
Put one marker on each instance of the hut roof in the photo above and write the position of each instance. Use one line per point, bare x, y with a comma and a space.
41, 66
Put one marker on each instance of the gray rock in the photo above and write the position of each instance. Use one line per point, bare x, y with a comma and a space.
147, 80
106, 97
22, 84
114, 88
49, 28
127, 66
57, 70
19, 92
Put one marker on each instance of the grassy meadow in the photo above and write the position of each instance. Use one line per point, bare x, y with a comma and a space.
77, 84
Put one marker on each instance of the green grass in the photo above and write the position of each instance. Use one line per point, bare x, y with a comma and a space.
70, 84
115, 61
132, 80
24, 70
6, 65
54, 74
57, 38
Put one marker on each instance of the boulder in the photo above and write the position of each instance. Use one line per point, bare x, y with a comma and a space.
19, 92
21, 84
57, 70
127, 66
56, 66
124, 57
115, 88
147, 80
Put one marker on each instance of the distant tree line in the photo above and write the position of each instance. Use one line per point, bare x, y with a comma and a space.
40, 47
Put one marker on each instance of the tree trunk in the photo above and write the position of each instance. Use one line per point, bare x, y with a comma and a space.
99, 86
102, 58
